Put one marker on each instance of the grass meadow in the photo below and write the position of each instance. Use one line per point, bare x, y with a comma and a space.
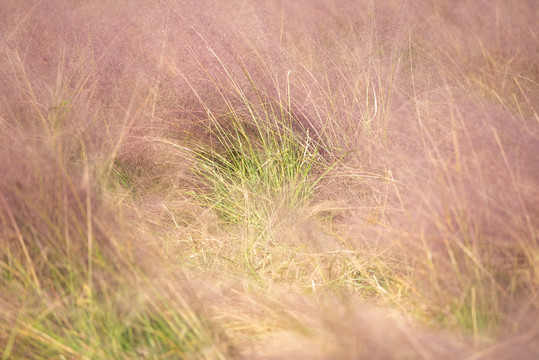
321, 179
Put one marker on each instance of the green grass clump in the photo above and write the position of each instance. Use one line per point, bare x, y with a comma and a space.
251, 175
103, 326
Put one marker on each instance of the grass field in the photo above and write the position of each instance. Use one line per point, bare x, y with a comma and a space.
322, 179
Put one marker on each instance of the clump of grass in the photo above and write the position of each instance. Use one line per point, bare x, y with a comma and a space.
251, 174
78, 287
104, 326
258, 157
